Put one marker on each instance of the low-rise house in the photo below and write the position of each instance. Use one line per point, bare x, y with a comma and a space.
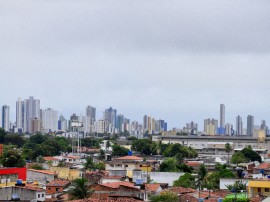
117, 189
9, 176
263, 168
67, 173
258, 187
16, 193
52, 160
56, 187
41, 176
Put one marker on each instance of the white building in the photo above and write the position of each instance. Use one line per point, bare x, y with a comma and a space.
49, 120
101, 126
5, 118
32, 111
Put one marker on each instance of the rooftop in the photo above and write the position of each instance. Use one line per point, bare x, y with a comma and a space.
116, 185
42, 171
58, 183
50, 158
132, 158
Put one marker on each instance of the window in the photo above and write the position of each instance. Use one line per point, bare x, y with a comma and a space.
57, 189
38, 195
42, 195
259, 190
267, 189
126, 166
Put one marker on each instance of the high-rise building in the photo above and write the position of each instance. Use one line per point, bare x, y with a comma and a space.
5, 118
228, 129
32, 111
62, 123
120, 122
110, 116
222, 116
210, 126
20, 112
239, 126
90, 119
49, 120
73, 118
250, 125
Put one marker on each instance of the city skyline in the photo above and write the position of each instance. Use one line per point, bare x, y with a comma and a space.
177, 60
90, 112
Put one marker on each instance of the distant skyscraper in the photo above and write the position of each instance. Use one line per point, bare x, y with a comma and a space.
228, 129
120, 122
32, 112
20, 112
210, 126
49, 120
110, 116
90, 119
239, 126
250, 125
222, 116
62, 123
5, 118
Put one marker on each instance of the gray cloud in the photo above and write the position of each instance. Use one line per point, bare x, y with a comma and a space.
176, 60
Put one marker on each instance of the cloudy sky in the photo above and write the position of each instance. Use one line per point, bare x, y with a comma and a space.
170, 59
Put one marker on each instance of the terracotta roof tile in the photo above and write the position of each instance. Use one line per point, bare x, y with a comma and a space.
135, 158
50, 158
61, 183
263, 166
122, 199
193, 163
116, 185
152, 187
42, 171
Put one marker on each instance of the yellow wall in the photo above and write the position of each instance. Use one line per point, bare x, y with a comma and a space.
66, 173
253, 188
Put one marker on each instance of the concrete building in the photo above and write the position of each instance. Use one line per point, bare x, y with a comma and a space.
5, 118
20, 113
62, 123
250, 125
90, 119
228, 129
239, 126
110, 116
215, 145
49, 120
101, 126
32, 111
35, 125
210, 126
222, 116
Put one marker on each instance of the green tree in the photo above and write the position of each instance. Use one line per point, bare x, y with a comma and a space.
12, 159
36, 166
201, 181
119, 151
38, 138
228, 149
108, 144
239, 157
14, 139
145, 146
169, 165
100, 166
89, 164
187, 180
251, 155
166, 196
80, 189
3, 133
237, 186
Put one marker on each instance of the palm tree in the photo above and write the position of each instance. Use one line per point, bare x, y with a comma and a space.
228, 149
89, 164
80, 189
201, 181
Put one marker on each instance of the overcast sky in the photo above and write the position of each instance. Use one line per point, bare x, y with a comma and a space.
175, 60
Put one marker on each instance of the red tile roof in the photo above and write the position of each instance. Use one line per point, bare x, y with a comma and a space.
116, 185
42, 171
122, 199
181, 190
134, 158
263, 166
58, 183
193, 163
50, 158
152, 187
